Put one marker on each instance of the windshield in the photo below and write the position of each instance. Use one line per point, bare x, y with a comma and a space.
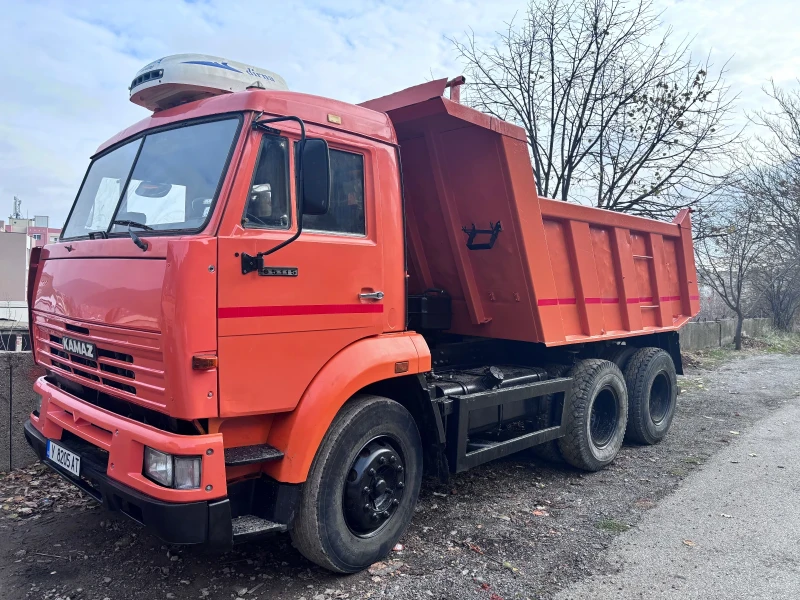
170, 186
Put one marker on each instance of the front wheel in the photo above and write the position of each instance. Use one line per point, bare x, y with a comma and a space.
362, 488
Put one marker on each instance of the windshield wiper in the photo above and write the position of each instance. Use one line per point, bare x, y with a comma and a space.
136, 239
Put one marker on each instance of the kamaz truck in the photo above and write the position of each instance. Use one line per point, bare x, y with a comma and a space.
274, 312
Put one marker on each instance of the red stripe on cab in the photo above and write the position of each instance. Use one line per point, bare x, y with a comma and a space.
242, 312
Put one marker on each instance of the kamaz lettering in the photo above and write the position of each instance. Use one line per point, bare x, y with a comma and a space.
78, 347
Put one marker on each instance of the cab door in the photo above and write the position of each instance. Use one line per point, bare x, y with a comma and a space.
321, 293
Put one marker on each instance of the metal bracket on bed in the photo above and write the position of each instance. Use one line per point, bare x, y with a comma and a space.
495, 230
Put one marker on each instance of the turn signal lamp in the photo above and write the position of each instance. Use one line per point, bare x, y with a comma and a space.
204, 362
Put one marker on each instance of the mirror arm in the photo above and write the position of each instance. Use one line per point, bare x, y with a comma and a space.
256, 263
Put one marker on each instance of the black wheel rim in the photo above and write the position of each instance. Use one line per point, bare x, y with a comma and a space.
603, 419
374, 485
659, 398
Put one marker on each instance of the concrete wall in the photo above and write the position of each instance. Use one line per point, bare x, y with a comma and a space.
755, 327
715, 334
696, 336
17, 374
727, 331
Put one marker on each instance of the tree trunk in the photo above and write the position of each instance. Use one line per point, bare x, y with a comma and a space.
737, 338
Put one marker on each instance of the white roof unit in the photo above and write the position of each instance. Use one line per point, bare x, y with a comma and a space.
182, 78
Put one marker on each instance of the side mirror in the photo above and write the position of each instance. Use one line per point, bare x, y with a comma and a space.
316, 177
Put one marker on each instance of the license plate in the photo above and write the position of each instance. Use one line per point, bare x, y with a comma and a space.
64, 458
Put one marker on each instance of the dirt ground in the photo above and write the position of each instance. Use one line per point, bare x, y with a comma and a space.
517, 528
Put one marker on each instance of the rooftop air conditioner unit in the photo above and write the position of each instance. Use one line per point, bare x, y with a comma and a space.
182, 78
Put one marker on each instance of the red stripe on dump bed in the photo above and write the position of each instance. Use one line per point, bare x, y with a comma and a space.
640, 300
548, 302
243, 312
556, 301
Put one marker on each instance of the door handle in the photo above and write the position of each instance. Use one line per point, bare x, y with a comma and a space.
371, 296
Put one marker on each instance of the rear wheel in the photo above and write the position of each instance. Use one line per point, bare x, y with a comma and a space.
362, 487
597, 412
653, 393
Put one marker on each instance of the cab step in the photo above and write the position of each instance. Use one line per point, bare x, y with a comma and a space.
249, 527
248, 455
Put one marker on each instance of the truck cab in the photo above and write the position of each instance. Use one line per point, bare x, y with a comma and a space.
224, 322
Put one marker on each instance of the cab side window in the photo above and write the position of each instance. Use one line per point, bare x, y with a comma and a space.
346, 211
268, 201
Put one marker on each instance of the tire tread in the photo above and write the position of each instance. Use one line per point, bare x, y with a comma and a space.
306, 535
573, 445
636, 376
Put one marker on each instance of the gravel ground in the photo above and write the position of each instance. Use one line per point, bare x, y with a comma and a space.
517, 528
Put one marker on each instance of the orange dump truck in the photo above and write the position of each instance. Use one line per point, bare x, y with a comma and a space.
272, 312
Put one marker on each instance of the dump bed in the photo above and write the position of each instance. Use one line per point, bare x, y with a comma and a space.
556, 273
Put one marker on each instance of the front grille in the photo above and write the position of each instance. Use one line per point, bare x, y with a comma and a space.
83, 361
118, 371
57, 349
115, 355
84, 374
76, 328
56, 352
60, 365
128, 364
120, 386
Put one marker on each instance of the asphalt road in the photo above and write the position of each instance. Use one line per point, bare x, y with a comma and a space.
731, 530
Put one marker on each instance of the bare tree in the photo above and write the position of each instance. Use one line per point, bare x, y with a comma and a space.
776, 182
730, 252
614, 115
778, 281
771, 178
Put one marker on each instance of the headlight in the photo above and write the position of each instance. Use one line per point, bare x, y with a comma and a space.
187, 472
37, 404
158, 466
179, 472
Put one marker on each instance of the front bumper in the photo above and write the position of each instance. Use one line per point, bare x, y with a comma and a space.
124, 440
175, 523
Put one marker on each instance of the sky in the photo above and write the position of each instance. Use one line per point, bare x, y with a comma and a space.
67, 65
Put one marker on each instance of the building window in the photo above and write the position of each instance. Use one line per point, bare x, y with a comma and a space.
53, 239
37, 236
